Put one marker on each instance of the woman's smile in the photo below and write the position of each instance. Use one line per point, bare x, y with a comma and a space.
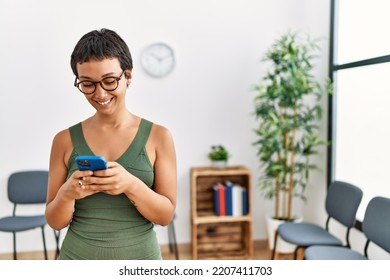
104, 102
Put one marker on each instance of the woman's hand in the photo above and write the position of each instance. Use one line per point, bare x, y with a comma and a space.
114, 180
76, 187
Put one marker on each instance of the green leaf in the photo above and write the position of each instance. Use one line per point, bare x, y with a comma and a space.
288, 107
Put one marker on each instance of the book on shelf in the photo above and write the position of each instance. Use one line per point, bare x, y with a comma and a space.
237, 200
216, 200
219, 199
244, 201
230, 199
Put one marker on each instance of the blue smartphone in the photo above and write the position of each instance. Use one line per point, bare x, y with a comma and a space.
91, 163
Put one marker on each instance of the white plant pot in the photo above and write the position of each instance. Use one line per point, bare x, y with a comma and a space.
281, 245
220, 164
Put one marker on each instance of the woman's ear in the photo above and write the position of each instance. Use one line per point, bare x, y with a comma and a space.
128, 76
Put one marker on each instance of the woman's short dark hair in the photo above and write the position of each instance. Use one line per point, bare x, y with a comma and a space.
99, 45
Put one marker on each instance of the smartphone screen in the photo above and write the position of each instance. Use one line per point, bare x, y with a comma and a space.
91, 163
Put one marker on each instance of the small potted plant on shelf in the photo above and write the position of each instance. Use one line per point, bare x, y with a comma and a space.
218, 156
288, 108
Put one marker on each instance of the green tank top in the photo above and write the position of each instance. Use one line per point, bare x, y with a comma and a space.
110, 227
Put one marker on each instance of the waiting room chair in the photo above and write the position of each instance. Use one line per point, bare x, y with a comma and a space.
26, 187
341, 204
172, 238
375, 226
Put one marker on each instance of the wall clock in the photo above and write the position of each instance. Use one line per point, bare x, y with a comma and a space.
158, 60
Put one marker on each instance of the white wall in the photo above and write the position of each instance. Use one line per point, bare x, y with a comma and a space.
206, 100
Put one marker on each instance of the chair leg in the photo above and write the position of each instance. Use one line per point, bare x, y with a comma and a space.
296, 252
14, 240
44, 242
57, 238
274, 248
172, 240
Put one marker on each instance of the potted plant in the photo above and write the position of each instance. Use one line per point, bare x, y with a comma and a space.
218, 156
288, 108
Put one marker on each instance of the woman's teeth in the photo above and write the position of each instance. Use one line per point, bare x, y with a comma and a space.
104, 102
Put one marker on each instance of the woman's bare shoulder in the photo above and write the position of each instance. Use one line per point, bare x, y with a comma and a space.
62, 136
160, 132
62, 140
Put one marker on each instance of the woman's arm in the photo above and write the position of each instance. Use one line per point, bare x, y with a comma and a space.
62, 193
158, 205
165, 183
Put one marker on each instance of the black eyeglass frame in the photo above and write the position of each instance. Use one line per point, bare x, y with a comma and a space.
76, 84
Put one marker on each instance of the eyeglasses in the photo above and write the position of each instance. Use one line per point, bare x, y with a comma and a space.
108, 84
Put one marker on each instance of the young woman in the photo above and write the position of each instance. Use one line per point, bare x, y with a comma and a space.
110, 213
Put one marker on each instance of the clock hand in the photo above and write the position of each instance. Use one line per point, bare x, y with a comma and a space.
165, 57
155, 56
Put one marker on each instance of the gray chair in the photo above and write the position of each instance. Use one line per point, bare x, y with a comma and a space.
341, 204
376, 228
172, 238
26, 187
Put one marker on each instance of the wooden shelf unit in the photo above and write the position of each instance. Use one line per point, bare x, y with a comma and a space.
219, 237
